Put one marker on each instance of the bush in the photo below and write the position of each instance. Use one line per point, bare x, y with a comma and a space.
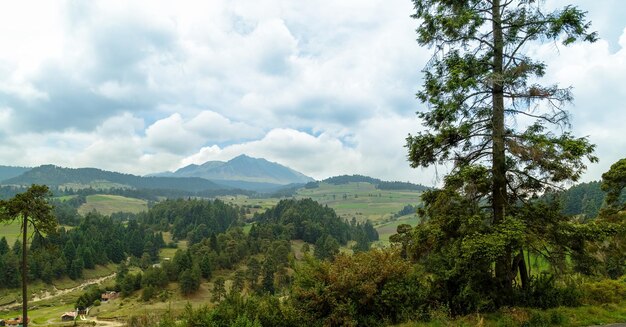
544, 293
148, 293
96, 303
604, 291
536, 320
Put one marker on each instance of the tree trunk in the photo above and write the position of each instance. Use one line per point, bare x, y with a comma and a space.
519, 264
499, 196
523, 271
24, 272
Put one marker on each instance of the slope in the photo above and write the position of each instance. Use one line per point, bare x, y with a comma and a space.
97, 178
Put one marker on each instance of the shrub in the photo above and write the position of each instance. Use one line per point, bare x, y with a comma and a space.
604, 291
544, 293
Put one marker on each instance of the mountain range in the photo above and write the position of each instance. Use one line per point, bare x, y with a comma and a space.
242, 172
92, 177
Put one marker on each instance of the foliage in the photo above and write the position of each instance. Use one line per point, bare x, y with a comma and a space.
345, 179
477, 84
543, 292
89, 297
32, 206
583, 199
191, 219
382, 185
367, 289
604, 291
614, 182
309, 221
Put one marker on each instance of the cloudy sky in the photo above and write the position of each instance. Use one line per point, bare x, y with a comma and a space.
325, 87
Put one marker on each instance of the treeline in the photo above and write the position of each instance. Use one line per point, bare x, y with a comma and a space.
97, 240
584, 199
400, 186
311, 222
407, 210
345, 179
379, 184
191, 219
262, 259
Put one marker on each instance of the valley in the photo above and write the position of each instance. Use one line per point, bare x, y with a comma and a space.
354, 201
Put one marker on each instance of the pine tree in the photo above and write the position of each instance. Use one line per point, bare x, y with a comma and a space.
490, 118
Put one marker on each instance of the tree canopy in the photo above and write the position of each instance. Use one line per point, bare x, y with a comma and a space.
505, 134
33, 208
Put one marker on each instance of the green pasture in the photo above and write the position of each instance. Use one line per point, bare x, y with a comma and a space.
361, 200
385, 230
11, 230
107, 204
353, 200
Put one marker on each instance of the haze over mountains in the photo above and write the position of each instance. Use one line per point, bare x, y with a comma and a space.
242, 169
242, 172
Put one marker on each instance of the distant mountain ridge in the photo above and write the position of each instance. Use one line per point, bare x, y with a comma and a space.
57, 176
244, 170
7, 172
379, 184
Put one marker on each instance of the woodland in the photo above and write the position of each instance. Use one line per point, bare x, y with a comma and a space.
468, 261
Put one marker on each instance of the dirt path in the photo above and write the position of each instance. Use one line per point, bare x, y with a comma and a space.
101, 323
110, 323
46, 295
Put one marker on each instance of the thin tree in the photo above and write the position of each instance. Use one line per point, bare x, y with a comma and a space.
488, 115
33, 208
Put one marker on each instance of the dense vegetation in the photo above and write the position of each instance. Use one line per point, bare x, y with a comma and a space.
97, 240
379, 184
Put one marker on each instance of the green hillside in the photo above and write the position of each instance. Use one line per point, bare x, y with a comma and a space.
107, 204
101, 179
7, 172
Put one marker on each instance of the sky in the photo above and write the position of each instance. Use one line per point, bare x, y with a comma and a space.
324, 87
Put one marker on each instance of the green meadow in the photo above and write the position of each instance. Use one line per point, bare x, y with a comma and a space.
107, 204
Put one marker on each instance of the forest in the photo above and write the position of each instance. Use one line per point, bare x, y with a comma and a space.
499, 242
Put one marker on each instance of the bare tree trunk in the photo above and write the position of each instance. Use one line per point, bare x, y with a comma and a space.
24, 272
499, 196
523, 271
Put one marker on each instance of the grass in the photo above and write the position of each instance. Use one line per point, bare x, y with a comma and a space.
389, 228
12, 230
562, 316
107, 204
361, 200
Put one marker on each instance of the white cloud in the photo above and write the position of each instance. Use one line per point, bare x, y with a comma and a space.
597, 75
325, 87
318, 156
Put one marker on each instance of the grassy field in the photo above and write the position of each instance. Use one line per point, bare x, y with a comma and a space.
389, 228
108, 204
354, 200
11, 230
361, 200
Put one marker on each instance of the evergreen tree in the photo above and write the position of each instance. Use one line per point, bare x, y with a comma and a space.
478, 82
613, 182
4, 246
267, 283
253, 272
219, 289
33, 209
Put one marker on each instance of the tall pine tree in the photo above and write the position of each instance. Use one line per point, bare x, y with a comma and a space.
489, 116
